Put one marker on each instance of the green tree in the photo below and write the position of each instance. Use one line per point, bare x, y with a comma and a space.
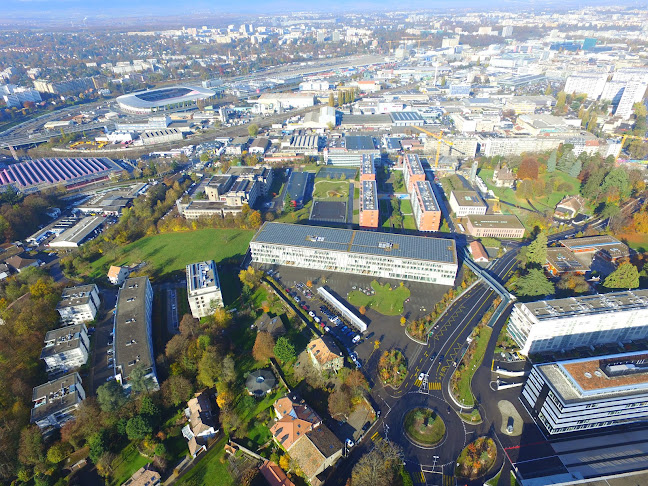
209, 367
110, 396
536, 252
137, 428
284, 350
138, 379
97, 444
575, 169
624, 277
204, 157
551, 162
176, 390
31, 448
287, 206
534, 283
58, 452
253, 130
561, 99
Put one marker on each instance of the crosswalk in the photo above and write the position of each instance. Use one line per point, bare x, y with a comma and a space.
431, 385
419, 478
449, 480
418, 383
376, 437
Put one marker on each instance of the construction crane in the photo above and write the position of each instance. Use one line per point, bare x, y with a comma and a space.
440, 139
623, 140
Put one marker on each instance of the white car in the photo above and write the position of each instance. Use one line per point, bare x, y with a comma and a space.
349, 443
317, 319
311, 313
356, 339
421, 376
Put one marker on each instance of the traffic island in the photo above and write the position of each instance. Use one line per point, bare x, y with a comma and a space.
424, 427
392, 368
476, 459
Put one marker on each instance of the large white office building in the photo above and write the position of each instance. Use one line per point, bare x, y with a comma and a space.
632, 93
563, 324
588, 393
203, 288
386, 255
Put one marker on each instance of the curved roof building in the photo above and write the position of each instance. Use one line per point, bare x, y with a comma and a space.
163, 99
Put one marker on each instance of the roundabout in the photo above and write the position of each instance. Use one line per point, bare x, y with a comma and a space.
423, 427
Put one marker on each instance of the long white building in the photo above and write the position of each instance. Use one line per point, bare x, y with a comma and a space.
588, 393
591, 84
203, 288
386, 255
563, 324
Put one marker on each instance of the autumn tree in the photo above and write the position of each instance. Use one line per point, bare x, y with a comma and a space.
263, 348
528, 169
250, 278
378, 467
222, 318
624, 277
339, 402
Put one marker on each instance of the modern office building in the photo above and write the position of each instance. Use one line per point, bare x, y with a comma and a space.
412, 170
589, 393
79, 304
563, 324
425, 207
494, 225
133, 339
464, 203
56, 401
401, 257
66, 348
203, 288
369, 215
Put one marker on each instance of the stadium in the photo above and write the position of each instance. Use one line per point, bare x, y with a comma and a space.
163, 99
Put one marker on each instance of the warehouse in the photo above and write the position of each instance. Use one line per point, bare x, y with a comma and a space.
84, 230
402, 257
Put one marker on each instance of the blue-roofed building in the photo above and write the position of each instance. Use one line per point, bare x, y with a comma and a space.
386, 255
296, 189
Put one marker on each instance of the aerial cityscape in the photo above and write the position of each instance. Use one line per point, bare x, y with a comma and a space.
345, 244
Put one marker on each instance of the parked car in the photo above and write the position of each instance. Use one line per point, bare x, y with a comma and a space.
311, 313
356, 339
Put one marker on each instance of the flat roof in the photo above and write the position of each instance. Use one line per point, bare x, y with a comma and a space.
359, 142
626, 300
79, 295
297, 185
399, 116
605, 243
563, 260
55, 396
426, 195
494, 221
62, 339
78, 232
164, 96
442, 250
202, 275
413, 162
468, 198
369, 196
367, 166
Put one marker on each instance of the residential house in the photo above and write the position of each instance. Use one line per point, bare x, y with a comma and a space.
144, 476
272, 325
201, 426
478, 252
325, 354
19, 263
274, 475
569, 207
117, 275
503, 176
56, 401
79, 304
66, 348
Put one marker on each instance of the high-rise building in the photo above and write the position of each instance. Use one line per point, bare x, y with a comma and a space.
633, 93
591, 84
425, 207
507, 31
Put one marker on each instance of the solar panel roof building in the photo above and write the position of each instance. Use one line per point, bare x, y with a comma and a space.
425, 207
369, 217
401, 257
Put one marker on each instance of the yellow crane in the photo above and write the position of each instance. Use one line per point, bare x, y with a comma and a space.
440, 139
623, 141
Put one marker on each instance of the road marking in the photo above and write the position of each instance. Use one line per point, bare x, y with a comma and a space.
373, 437
417, 383
434, 385
448, 480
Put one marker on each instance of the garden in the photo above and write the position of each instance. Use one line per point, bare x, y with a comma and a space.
325, 189
392, 368
424, 426
477, 458
385, 299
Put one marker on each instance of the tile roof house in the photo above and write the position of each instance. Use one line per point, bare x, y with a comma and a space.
569, 207
19, 263
325, 354
117, 275
274, 475
503, 176
300, 431
478, 251
201, 426
144, 477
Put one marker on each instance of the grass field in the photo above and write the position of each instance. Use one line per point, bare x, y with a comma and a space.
325, 189
129, 461
406, 206
636, 241
464, 393
170, 252
386, 300
419, 429
209, 471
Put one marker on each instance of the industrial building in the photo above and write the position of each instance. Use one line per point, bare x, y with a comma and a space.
588, 393
402, 257
564, 324
79, 304
494, 226
369, 216
133, 339
349, 150
66, 348
164, 99
425, 207
86, 229
56, 401
464, 203
412, 171
280, 102
203, 289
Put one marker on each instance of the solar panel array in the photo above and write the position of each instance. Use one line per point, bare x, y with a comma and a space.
54, 171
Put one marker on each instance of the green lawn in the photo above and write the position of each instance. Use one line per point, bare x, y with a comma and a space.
209, 471
474, 416
170, 252
325, 189
406, 206
464, 392
387, 300
419, 429
397, 181
408, 222
129, 461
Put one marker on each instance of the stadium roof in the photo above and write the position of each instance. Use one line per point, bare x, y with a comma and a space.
365, 242
164, 96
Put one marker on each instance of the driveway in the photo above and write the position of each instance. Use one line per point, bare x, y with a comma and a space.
101, 370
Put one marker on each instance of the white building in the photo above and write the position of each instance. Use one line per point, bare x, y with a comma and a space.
402, 257
588, 393
66, 348
464, 203
591, 84
280, 102
79, 304
612, 91
563, 324
633, 93
56, 401
117, 275
203, 288
14, 96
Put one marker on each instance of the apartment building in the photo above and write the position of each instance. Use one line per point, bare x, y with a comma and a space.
633, 93
588, 393
133, 339
396, 256
203, 288
494, 225
464, 203
563, 324
79, 304
412, 170
369, 213
591, 84
66, 348
367, 168
425, 207
56, 401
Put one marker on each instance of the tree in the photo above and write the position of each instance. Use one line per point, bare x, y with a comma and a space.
378, 467
222, 317
624, 277
528, 169
253, 130
536, 252
551, 161
209, 367
255, 219
176, 390
287, 205
263, 348
228, 373
534, 283
362, 310
250, 278
403, 320
284, 350
58, 452
284, 462
561, 100
339, 402
97, 444
204, 157
331, 100
572, 285
138, 379
137, 428
110, 396
31, 448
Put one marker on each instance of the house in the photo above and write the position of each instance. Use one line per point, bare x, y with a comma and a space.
325, 354
274, 475
201, 426
503, 176
66, 348
478, 252
19, 263
569, 207
56, 401
260, 383
301, 432
272, 325
237, 146
259, 146
144, 477
79, 304
117, 275
5, 271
